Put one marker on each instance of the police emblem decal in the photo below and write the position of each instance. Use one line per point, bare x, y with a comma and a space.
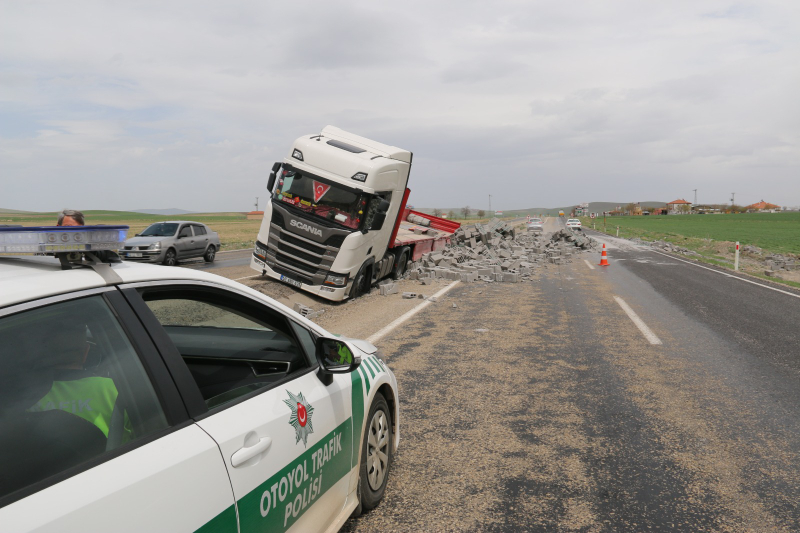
300, 418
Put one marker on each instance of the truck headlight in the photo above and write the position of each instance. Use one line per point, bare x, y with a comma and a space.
155, 246
260, 251
337, 280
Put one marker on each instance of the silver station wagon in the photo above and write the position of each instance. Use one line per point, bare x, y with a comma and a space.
171, 241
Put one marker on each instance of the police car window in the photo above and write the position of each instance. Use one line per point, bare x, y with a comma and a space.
231, 345
72, 388
307, 340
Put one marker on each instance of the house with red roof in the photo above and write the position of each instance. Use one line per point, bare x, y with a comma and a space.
762, 206
255, 215
679, 206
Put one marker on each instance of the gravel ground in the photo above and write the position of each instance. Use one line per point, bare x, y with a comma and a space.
561, 417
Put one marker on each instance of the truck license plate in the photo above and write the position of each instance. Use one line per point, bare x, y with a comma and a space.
134, 254
290, 281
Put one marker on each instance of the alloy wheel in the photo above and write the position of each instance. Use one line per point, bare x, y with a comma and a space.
378, 450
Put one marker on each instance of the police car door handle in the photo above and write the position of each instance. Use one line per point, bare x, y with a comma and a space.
245, 454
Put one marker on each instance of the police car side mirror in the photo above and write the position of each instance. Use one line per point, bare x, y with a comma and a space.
334, 357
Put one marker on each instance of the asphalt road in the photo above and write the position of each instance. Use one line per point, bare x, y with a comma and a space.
541, 406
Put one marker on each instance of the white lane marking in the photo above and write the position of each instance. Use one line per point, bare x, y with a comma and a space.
247, 277
375, 336
588, 264
647, 332
727, 274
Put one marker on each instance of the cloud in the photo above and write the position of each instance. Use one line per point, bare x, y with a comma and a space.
114, 105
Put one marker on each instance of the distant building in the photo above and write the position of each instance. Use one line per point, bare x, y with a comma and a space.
255, 215
703, 209
679, 206
763, 206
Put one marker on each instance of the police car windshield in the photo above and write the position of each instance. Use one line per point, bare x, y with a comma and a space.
161, 229
334, 203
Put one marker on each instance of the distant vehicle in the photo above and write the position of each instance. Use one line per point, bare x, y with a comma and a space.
561, 213
575, 224
535, 224
171, 241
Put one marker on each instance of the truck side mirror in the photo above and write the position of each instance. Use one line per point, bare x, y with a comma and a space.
335, 357
271, 180
380, 215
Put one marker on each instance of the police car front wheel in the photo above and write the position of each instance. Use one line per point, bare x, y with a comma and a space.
376, 453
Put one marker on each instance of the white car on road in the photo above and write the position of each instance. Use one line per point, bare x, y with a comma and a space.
574, 224
143, 398
535, 224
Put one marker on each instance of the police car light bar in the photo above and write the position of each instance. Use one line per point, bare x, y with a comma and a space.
60, 239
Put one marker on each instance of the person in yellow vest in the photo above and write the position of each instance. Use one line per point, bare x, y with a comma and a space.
345, 357
78, 391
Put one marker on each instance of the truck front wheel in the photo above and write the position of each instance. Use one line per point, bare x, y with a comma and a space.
361, 282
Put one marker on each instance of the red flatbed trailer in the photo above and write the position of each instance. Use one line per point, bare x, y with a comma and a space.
423, 243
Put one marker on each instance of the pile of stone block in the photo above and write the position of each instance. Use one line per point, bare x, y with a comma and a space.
495, 252
779, 262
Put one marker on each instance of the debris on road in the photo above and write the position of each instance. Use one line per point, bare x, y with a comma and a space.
671, 248
306, 311
495, 252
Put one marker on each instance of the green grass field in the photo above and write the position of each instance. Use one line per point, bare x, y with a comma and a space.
773, 232
235, 231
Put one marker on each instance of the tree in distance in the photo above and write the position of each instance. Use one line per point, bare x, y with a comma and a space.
481, 213
437, 212
451, 215
630, 208
466, 211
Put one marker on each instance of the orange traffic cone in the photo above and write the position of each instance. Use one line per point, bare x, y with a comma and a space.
604, 257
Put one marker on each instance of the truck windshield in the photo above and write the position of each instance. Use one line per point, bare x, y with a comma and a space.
334, 203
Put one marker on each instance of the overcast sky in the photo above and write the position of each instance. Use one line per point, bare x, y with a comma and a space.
132, 105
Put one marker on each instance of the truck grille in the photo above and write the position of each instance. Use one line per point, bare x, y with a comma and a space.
311, 258
294, 255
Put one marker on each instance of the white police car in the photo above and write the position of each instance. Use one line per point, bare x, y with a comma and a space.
144, 398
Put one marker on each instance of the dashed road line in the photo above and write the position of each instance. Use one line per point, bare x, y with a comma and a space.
647, 332
588, 264
380, 333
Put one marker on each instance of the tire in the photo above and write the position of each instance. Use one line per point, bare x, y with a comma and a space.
361, 283
210, 254
400, 266
170, 258
376, 454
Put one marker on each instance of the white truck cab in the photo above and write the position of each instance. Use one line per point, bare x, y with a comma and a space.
337, 200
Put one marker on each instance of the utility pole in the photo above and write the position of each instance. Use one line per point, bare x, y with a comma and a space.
733, 194
695, 196
490, 205
256, 203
